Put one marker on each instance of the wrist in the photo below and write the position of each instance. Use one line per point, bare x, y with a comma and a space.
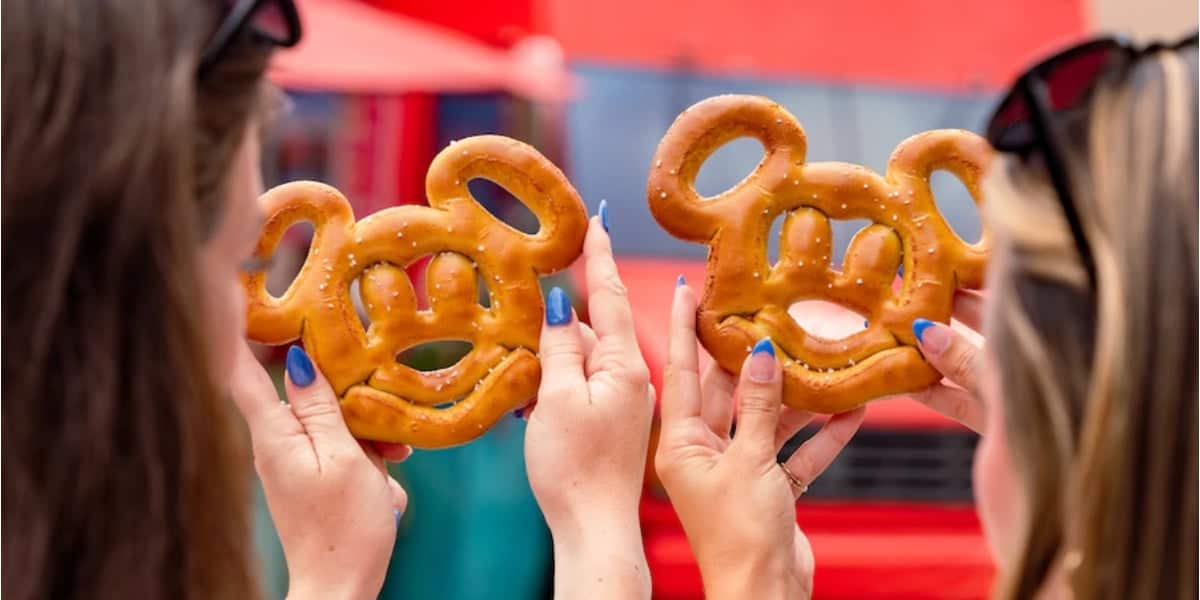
751, 576
601, 556
300, 588
603, 522
600, 532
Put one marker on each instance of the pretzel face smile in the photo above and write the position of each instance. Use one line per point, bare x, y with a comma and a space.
746, 298
382, 399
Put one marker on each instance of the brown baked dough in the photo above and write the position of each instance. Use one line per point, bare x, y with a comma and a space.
381, 398
746, 298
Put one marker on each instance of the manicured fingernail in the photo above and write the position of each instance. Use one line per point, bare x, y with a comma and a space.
934, 338
299, 367
762, 361
396, 513
558, 307
680, 281
603, 212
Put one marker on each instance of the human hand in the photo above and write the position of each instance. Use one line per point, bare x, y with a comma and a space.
586, 442
330, 496
955, 357
736, 503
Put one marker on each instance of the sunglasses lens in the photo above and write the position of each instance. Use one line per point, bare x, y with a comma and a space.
1067, 79
1010, 127
271, 22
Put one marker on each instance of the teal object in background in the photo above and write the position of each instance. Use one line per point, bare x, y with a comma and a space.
473, 529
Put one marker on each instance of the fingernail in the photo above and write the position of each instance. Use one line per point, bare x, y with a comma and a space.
558, 307
299, 367
680, 281
603, 212
396, 513
934, 338
762, 361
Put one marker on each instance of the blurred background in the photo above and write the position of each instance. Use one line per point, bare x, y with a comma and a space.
380, 86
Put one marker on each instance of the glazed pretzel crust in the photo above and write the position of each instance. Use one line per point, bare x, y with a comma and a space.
382, 399
746, 298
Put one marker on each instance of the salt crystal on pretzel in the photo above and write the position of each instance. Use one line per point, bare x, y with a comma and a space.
382, 399
746, 298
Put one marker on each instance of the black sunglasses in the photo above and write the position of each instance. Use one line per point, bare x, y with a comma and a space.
273, 22
1051, 98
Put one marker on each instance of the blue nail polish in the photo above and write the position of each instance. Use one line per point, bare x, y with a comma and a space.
680, 281
558, 307
299, 367
603, 212
919, 326
764, 345
397, 514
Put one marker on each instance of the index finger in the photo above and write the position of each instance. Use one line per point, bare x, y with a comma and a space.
681, 381
608, 300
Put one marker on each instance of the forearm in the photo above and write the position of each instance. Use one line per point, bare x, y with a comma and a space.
600, 558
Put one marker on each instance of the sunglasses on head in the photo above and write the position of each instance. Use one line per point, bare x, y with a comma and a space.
272, 22
1048, 99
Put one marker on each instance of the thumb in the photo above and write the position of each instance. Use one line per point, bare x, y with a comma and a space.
949, 352
758, 398
313, 401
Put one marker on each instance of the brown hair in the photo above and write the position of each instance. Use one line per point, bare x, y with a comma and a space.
1100, 383
125, 470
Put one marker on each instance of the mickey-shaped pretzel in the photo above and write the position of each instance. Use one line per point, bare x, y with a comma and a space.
746, 298
382, 399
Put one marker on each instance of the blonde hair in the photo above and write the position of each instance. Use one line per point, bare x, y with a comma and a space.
1100, 382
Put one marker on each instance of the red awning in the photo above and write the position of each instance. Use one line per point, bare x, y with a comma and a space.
351, 47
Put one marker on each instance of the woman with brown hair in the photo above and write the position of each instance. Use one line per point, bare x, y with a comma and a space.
1085, 394
128, 213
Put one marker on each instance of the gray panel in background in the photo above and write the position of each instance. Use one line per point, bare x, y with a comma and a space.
615, 128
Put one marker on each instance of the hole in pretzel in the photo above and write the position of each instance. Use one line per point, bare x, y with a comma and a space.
434, 355
843, 232
957, 208
826, 319
503, 205
449, 403
774, 239
728, 166
485, 295
360, 306
289, 256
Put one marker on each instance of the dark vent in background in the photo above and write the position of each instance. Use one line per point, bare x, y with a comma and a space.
930, 466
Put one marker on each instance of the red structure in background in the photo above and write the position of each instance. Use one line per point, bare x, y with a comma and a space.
942, 45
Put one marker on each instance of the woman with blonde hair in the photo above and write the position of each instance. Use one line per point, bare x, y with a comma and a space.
1086, 390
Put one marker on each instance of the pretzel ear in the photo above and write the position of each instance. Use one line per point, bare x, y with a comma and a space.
532, 179
694, 136
278, 320
967, 158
